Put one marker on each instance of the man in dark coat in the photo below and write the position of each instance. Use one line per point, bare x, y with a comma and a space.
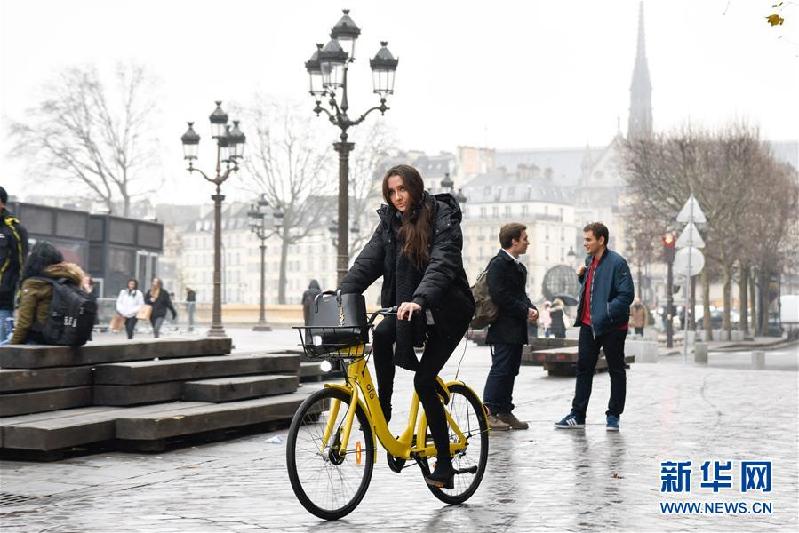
603, 312
13, 251
507, 335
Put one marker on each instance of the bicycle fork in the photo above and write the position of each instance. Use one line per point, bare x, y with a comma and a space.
349, 418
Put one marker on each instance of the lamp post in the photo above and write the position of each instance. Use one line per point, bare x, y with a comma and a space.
229, 149
327, 69
449, 185
668, 255
335, 231
257, 216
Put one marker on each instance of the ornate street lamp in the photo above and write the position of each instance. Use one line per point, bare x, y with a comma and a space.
257, 216
229, 149
327, 70
333, 228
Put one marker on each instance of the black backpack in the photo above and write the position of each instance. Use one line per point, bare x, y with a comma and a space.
71, 317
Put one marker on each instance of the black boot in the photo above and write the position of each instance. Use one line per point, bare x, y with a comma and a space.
385, 406
443, 476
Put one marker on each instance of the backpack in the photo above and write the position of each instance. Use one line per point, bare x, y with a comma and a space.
71, 317
485, 310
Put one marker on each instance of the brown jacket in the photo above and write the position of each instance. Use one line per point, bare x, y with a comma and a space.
35, 297
638, 315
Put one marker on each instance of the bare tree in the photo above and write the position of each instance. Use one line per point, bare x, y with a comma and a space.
772, 230
290, 163
749, 198
83, 134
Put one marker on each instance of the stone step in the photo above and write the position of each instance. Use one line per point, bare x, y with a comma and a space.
95, 353
58, 430
190, 418
15, 380
230, 389
121, 395
22, 403
193, 368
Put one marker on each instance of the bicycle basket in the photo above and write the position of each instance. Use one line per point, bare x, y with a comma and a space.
334, 341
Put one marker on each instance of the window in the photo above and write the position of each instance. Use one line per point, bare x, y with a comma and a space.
482, 212
525, 210
495, 211
507, 210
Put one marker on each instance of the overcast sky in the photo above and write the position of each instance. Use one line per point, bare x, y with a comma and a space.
506, 74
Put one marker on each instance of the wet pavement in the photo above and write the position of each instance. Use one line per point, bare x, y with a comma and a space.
542, 479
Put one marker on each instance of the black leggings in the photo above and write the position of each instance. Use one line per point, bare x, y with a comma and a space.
130, 326
438, 348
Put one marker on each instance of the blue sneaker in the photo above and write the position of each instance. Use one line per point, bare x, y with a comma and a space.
613, 423
571, 421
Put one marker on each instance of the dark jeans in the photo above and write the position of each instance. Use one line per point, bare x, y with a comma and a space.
130, 325
639, 331
438, 348
498, 392
612, 343
156, 323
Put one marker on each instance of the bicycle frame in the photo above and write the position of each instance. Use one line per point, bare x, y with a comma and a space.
361, 389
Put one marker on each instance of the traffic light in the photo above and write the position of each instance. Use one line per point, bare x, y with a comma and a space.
668, 247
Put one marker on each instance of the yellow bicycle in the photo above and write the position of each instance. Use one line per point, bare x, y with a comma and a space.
331, 445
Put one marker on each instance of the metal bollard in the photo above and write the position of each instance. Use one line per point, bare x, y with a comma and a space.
700, 353
758, 360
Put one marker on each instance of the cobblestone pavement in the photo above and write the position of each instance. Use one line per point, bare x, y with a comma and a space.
537, 480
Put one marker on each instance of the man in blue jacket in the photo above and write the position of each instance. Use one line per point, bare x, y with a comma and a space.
606, 292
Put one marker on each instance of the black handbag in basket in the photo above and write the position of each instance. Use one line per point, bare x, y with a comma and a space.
339, 319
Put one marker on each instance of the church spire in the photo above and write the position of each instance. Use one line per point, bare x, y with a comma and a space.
639, 122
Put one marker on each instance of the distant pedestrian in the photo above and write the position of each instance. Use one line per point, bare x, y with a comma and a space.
129, 302
606, 292
556, 314
191, 305
507, 335
308, 298
160, 301
638, 317
545, 319
13, 251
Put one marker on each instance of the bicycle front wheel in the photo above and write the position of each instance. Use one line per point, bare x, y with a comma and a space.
466, 411
329, 482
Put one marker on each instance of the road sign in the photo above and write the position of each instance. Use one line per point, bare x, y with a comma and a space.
690, 237
689, 261
691, 212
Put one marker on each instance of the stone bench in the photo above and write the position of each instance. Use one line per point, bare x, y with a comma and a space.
141, 392
144, 372
644, 351
57, 430
29, 357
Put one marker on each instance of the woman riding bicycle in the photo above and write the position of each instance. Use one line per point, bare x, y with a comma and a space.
417, 249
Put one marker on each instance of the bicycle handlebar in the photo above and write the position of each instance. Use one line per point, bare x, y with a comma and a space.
383, 311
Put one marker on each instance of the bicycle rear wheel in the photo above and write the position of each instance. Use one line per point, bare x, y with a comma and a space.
466, 410
328, 483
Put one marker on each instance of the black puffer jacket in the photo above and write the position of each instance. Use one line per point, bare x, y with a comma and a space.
444, 288
13, 251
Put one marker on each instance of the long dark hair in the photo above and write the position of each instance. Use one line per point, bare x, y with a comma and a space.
135, 286
417, 218
42, 256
